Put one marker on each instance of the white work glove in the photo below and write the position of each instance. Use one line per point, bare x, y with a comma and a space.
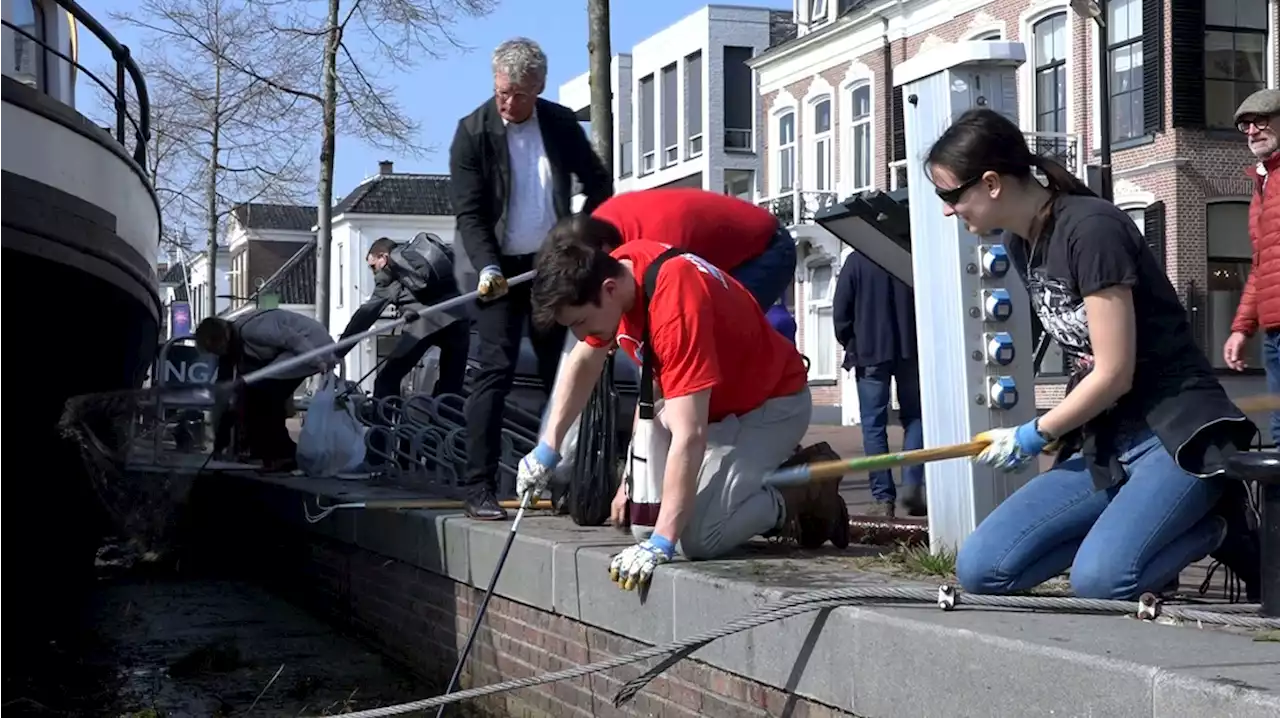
536, 470
1012, 449
633, 568
492, 283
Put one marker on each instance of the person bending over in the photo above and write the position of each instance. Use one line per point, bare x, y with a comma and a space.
412, 277
735, 394
1139, 490
739, 237
252, 341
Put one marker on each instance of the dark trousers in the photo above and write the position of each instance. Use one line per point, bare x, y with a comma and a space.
769, 274
873, 407
1271, 362
263, 415
453, 340
499, 327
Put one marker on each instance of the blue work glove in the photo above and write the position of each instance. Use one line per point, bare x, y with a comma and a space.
1012, 449
633, 568
536, 470
492, 283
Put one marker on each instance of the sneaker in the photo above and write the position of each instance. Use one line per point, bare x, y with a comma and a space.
815, 512
913, 500
883, 509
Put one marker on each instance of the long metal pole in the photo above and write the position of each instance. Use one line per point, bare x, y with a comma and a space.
1104, 105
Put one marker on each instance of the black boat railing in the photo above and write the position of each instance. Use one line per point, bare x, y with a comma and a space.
126, 70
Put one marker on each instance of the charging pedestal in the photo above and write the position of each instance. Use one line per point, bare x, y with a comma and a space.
973, 320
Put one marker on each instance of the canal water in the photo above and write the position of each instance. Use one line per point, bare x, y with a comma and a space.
162, 645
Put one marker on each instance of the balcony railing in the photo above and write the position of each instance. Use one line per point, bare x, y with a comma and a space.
1059, 146
140, 119
796, 206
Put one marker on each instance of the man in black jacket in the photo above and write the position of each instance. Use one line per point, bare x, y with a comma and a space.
412, 277
511, 165
875, 321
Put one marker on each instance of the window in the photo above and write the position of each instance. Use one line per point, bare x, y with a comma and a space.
1229, 263
785, 174
821, 144
1138, 216
1235, 56
29, 62
626, 133
820, 330
860, 152
1049, 92
991, 36
693, 103
739, 99
1124, 46
670, 117
817, 12
647, 139
739, 183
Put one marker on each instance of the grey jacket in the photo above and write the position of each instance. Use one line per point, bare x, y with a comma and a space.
265, 336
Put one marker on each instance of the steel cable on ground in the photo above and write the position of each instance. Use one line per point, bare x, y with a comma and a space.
801, 603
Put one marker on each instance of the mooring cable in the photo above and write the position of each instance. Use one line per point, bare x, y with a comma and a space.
801, 603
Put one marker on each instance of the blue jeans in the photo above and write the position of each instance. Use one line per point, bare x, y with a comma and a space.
873, 406
1271, 360
768, 275
1118, 543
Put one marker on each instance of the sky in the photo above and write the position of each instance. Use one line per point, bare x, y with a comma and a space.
438, 93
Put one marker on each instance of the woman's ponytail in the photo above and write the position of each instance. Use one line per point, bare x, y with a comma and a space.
1060, 179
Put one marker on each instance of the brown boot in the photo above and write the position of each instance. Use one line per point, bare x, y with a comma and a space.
815, 512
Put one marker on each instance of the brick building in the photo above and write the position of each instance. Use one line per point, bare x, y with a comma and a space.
832, 126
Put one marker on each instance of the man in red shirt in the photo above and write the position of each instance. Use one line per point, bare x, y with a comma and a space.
735, 395
745, 240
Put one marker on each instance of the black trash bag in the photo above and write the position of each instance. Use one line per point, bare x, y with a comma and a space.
594, 479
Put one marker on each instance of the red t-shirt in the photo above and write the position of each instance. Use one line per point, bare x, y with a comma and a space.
723, 230
708, 333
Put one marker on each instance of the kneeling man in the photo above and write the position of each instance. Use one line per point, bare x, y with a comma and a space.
252, 341
735, 393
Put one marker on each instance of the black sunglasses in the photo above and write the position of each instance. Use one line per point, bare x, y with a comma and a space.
1261, 122
953, 195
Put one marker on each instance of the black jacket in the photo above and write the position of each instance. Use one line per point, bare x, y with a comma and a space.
480, 177
874, 314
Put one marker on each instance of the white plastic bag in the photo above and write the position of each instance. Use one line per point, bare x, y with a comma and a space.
332, 438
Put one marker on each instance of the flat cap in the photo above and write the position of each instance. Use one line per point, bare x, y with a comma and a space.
1262, 102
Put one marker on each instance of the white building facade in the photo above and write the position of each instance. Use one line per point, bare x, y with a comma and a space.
685, 109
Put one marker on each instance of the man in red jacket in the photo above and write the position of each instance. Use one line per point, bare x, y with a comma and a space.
1260, 304
734, 391
744, 240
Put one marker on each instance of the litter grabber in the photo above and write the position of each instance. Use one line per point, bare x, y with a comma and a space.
223, 390
488, 594
412, 504
835, 469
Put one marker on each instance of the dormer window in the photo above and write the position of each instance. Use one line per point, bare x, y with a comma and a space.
817, 12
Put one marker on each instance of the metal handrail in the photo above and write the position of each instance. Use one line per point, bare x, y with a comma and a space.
124, 64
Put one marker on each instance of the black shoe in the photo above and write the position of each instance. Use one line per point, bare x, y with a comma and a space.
912, 500
483, 506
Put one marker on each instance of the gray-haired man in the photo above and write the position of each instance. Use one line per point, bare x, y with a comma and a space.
511, 165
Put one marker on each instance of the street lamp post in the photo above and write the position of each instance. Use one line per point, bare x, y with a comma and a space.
1097, 11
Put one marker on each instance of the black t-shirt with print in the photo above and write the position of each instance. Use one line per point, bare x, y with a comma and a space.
1088, 246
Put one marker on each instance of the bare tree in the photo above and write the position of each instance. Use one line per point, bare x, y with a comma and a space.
599, 47
355, 42
221, 138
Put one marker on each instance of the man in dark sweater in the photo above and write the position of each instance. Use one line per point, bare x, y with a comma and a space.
875, 321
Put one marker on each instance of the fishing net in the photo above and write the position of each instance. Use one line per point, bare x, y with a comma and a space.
142, 450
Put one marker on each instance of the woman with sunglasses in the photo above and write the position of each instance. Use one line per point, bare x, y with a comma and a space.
1138, 492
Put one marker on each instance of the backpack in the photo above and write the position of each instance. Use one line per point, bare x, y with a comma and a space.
425, 267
